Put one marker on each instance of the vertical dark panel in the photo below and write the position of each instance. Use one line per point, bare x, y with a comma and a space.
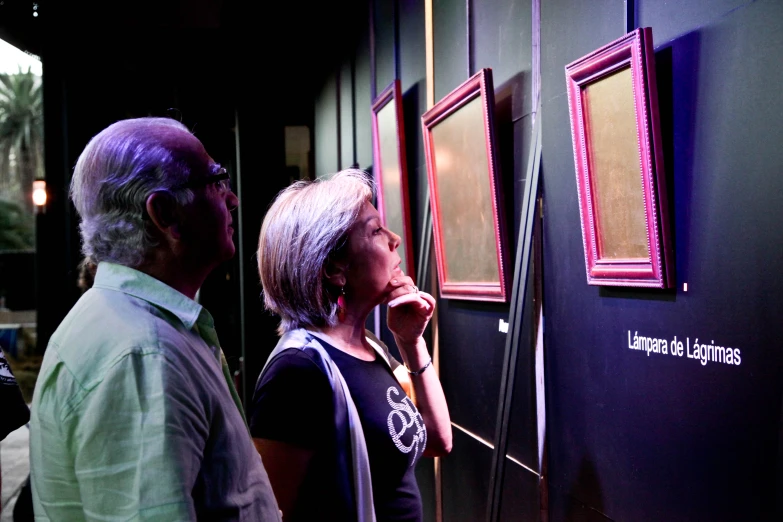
465, 475
412, 60
326, 118
56, 234
384, 43
659, 437
502, 41
347, 153
261, 137
471, 350
523, 422
414, 103
363, 101
450, 45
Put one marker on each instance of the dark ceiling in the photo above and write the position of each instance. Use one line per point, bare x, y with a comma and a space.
283, 39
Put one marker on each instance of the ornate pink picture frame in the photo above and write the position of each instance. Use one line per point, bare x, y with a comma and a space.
620, 176
390, 170
465, 197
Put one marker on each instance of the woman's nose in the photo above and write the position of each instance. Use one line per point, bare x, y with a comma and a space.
396, 240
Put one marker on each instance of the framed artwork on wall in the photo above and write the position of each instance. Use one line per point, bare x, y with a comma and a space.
390, 170
621, 181
467, 207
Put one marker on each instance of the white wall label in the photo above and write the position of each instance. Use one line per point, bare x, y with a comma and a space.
503, 326
702, 351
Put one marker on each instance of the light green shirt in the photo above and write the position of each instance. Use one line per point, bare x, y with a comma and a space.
135, 417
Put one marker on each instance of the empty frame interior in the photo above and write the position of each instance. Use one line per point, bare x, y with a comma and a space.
467, 221
616, 167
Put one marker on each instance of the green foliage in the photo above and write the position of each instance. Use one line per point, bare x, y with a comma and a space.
21, 134
16, 227
21, 110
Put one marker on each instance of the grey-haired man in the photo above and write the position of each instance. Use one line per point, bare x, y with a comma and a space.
134, 415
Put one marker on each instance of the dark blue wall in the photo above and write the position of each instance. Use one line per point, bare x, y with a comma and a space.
659, 437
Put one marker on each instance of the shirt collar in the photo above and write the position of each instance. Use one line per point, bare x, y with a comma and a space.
138, 284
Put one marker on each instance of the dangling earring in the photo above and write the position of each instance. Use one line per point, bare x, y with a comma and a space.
341, 305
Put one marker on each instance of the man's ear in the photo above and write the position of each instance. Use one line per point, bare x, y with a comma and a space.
334, 272
162, 209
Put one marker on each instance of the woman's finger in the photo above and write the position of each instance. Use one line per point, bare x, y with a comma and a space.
427, 297
404, 289
403, 280
410, 299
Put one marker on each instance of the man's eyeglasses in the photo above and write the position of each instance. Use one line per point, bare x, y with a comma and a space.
221, 180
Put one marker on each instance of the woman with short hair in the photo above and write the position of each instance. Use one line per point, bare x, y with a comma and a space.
337, 433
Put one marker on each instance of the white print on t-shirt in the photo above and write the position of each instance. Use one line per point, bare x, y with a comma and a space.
409, 416
6, 377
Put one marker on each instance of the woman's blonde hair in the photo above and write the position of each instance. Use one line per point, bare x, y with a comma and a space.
305, 227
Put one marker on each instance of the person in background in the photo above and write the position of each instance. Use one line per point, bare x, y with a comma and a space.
134, 415
15, 412
338, 434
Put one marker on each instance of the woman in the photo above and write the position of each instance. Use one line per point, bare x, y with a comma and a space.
338, 435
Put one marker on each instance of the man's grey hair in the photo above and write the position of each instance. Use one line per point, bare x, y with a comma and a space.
115, 174
305, 227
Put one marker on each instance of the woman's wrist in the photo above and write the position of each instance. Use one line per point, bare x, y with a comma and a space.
414, 354
415, 373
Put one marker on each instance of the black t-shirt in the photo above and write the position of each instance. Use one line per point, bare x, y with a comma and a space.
293, 403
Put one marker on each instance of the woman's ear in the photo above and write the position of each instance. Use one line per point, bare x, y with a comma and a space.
162, 209
335, 271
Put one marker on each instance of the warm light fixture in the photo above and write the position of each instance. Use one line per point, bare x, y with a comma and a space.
39, 194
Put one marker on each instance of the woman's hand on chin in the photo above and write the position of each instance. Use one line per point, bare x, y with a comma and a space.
409, 310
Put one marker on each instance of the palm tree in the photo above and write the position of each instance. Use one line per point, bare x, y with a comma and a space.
21, 135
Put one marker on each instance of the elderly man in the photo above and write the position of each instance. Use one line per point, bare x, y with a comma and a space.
134, 415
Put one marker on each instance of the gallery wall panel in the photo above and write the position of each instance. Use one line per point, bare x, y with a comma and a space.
471, 349
412, 41
638, 435
450, 45
502, 37
466, 479
413, 82
672, 20
363, 99
384, 13
326, 126
569, 30
347, 115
